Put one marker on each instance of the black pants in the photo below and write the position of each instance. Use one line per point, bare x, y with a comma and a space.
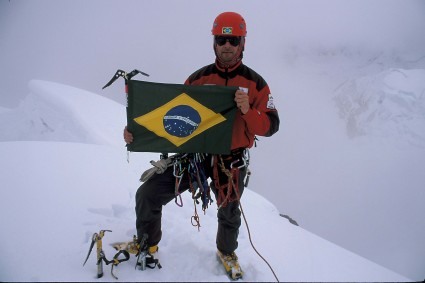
160, 190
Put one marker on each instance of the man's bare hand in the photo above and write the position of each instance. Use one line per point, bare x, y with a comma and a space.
128, 137
242, 101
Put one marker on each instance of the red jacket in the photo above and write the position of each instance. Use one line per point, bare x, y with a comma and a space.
262, 119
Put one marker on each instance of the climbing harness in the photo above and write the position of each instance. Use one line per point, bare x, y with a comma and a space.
190, 165
226, 171
198, 181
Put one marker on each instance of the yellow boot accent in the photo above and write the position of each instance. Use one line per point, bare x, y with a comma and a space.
153, 249
131, 247
231, 265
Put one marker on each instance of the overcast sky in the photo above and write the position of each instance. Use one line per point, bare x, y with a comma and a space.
82, 43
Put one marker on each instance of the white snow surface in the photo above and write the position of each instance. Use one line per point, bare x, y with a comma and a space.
390, 104
65, 176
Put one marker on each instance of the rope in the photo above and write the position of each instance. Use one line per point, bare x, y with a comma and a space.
195, 218
250, 240
224, 198
249, 231
231, 187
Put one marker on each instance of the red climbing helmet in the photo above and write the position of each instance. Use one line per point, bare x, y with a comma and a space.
229, 23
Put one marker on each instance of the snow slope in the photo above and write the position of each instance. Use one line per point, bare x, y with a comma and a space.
74, 116
65, 176
351, 189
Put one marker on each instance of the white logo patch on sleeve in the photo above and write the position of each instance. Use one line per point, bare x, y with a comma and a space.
270, 104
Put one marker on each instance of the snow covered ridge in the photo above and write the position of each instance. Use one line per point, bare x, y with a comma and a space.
56, 112
57, 194
390, 104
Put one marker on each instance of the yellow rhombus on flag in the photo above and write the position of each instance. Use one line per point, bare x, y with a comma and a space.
155, 120
177, 118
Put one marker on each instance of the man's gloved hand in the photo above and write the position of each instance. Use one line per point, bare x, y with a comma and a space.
159, 167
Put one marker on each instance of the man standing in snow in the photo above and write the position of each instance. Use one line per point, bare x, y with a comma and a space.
256, 116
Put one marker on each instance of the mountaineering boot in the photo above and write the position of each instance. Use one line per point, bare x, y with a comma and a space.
153, 249
231, 265
146, 258
144, 254
132, 247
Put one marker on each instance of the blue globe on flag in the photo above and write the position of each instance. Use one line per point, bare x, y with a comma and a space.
181, 121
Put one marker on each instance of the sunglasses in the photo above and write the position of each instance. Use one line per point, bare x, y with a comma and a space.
233, 40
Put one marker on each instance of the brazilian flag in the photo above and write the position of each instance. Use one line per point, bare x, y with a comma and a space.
176, 118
